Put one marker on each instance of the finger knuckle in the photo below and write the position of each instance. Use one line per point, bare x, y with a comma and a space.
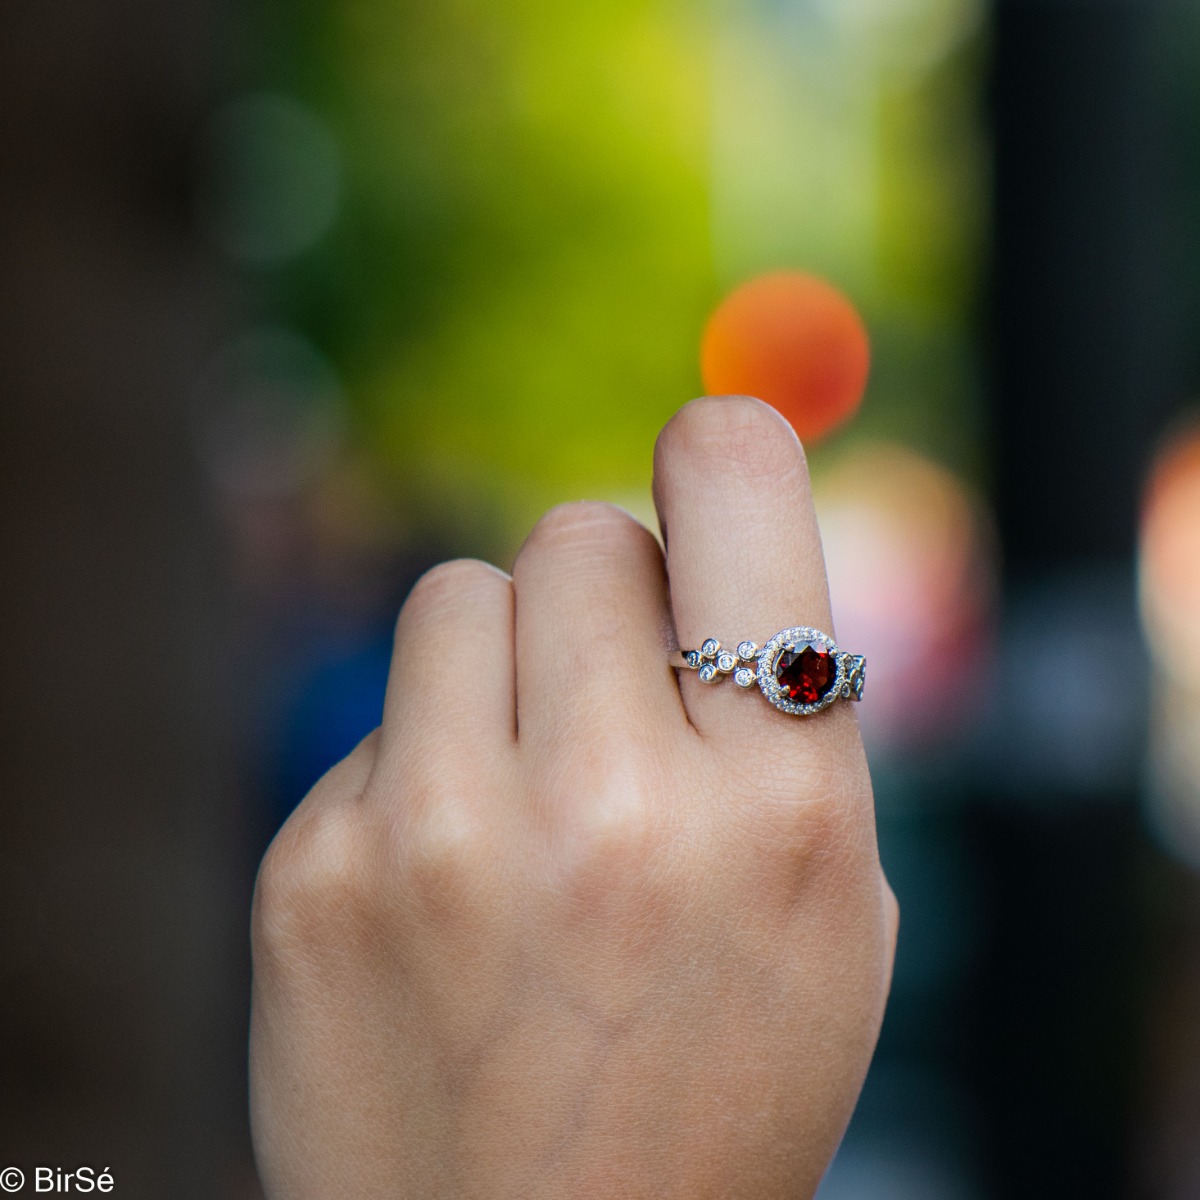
733, 433
616, 840
313, 879
445, 855
619, 837
818, 829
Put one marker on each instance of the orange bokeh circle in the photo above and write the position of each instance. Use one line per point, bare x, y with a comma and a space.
792, 340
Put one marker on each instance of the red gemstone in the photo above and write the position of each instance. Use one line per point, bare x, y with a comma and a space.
807, 672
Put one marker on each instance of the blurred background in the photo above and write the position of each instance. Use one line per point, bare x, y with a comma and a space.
298, 299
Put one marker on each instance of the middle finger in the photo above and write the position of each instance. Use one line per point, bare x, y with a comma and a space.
593, 629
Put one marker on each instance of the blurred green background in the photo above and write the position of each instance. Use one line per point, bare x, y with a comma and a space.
504, 225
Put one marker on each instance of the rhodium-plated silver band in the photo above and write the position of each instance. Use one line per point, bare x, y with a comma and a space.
800, 670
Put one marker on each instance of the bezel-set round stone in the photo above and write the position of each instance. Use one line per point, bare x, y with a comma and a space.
744, 677
692, 658
710, 647
725, 662
747, 651
708, 672
795, 640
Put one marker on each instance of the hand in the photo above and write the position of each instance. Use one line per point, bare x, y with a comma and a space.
567, 925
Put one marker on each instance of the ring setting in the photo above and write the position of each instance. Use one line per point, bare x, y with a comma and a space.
800, 670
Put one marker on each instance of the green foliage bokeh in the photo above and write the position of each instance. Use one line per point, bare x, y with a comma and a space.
517, 279
540, 203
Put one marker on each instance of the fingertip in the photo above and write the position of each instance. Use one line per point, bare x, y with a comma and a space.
720, 432
585, 520
449, 587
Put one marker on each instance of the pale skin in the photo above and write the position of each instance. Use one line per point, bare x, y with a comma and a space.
571, 923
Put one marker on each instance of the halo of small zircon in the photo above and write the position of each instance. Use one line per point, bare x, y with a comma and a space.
788, 640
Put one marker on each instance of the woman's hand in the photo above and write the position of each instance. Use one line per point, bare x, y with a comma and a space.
567, 925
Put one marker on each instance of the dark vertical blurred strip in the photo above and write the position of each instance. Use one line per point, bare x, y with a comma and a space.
121, 880
1088, 356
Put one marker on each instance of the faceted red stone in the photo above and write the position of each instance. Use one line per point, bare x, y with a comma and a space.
807, 672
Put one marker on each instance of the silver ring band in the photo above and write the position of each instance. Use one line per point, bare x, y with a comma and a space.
800, 670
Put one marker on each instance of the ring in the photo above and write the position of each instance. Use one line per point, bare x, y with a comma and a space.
800, 670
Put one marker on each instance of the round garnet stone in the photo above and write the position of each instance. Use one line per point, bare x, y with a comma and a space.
806, 672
